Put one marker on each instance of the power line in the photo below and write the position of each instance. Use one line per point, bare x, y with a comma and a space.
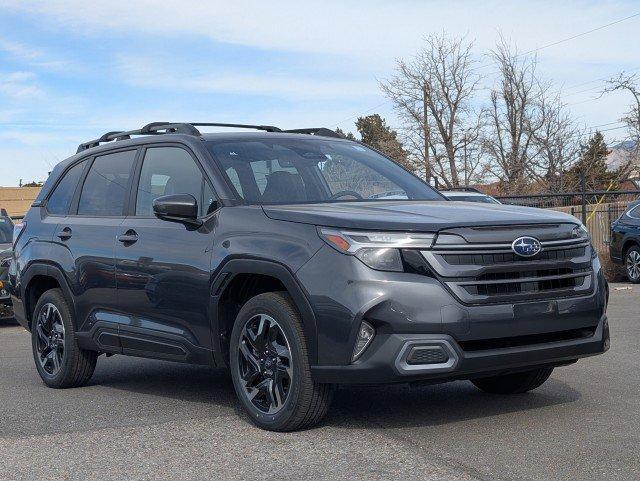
558, 42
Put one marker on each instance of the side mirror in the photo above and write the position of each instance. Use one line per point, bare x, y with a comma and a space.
182, 208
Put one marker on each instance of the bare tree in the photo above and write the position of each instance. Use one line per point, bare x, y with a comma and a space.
515, 117
555, 146
631, 152
433, 96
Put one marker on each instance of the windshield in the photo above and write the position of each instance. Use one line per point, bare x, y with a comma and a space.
288, 171
6, 230
485, 199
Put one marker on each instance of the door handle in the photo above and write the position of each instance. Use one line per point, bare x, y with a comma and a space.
65, 234
129, 237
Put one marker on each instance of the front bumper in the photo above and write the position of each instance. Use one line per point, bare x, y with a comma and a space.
387, 360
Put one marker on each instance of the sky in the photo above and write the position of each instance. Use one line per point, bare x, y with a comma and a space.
72, 70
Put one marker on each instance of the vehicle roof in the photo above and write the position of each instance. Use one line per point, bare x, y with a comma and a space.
186, 139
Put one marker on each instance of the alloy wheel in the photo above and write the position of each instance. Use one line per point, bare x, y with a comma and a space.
264, 361
50, 339
633, 265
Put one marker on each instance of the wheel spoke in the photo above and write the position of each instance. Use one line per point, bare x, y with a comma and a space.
249, 356
41, 335
55, 360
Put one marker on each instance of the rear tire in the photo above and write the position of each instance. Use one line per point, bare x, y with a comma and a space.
59, 360
632, 264
516, 383
270, 366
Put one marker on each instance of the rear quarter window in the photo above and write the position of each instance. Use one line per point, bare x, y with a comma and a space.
60, 200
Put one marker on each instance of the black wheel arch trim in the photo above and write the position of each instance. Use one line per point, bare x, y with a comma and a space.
235, 266
46, 270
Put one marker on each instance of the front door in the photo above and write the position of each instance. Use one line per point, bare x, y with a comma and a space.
163, 267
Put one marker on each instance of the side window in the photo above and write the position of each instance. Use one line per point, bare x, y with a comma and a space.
166, 171
60, 199
235, 180
105, 187
635, 212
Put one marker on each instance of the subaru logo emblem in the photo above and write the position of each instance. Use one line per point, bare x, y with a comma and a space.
526, 246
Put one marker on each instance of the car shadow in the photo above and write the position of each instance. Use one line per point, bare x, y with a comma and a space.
401, 406
392, 406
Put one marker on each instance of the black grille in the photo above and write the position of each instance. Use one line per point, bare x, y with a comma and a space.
490, 272
509, 257
427, 355
506, 342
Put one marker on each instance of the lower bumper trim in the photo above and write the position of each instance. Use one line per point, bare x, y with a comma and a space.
386, 363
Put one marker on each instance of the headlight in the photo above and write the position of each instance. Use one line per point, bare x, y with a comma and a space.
580, 231
17, 230
378, 250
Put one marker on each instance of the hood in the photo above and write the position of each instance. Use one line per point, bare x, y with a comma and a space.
413, 215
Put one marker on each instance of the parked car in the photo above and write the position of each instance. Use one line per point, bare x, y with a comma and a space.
292, 273
6, 233
468, 194
624, 246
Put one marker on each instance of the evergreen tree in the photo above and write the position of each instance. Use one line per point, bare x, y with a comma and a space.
377, 134
592, 164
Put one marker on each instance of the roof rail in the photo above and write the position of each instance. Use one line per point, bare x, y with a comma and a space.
461, 189
189, 128
316, 131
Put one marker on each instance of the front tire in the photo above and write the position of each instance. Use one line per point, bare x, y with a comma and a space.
270, 366
632, 264
59, 360
516, 383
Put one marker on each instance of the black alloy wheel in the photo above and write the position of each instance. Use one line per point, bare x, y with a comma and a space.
50, 343
632, 263
264, 359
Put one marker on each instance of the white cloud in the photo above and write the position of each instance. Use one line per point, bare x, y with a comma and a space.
34, 57
167, 74
373, 31
19, 85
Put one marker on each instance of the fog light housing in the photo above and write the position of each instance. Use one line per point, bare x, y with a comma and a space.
365, 336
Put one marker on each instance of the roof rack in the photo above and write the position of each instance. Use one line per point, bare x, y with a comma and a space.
461, 189
159, 128
316, 131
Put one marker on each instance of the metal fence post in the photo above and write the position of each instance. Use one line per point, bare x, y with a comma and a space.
583, 188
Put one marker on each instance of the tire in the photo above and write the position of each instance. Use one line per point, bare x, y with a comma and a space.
516, 383
74, 366
632, 264
275, 388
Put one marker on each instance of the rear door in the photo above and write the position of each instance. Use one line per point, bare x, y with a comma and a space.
87, 233
163, 268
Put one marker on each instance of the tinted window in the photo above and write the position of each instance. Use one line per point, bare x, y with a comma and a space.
635, 212
474, 198
105, 187
166, 171
6, 230
60, 200
315, 170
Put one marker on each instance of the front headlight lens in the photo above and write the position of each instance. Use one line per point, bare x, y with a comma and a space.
377, 250
385, 259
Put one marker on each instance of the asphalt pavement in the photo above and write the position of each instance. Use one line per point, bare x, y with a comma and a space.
143, 419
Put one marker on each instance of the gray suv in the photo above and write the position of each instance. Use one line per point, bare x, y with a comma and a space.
298, 260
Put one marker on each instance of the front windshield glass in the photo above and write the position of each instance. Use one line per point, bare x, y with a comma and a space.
475, 198
288, 171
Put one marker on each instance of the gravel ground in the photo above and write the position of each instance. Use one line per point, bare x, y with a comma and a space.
142, 419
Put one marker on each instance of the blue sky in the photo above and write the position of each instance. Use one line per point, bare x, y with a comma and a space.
72, 70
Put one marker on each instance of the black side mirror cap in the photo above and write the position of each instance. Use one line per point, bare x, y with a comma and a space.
182, 208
